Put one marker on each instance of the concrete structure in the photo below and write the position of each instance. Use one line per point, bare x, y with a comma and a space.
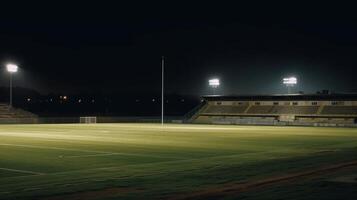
10, 115
298, 109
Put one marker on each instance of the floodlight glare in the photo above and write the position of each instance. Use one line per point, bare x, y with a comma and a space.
291, 81
11, 68
213, 82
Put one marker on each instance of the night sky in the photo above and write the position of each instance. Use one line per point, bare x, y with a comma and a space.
117, 48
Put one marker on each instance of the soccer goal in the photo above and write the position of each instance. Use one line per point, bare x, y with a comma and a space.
87, 120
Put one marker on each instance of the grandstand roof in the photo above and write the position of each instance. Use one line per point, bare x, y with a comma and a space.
283, 97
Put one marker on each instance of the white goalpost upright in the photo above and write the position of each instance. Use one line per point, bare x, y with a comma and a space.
87, 120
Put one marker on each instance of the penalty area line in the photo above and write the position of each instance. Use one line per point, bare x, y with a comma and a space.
22, 171
92, 155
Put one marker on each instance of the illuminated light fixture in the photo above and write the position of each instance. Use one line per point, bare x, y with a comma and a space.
11, 68
290, 82
213, 82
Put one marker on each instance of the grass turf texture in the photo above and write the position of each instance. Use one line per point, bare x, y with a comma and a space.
147, 161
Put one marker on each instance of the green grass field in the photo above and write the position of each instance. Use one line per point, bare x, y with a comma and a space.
147, 161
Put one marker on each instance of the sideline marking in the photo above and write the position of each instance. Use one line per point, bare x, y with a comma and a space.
86, 151
22, 171
93, 155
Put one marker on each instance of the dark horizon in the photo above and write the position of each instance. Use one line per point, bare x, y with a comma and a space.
250, 50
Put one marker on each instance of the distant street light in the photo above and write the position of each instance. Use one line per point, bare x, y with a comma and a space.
214, 83
11, 68
290, 82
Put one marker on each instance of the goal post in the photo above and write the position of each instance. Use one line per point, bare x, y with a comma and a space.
87, 120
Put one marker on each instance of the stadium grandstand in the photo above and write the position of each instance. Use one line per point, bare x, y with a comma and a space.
293, 109
15, 115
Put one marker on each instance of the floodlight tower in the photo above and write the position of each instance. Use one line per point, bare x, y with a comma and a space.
213, 83
11, 68
290, 82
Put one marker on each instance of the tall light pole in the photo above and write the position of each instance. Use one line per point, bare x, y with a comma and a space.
290, 82
11, 68
214, 83
162, 88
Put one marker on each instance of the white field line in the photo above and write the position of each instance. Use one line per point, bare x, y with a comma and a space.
193, 127
195, 159
21, 171
140, 127
96, 153
93, 155
41, 134
114, 154
276, 129
53, 148
155, 163
151, 163
31, 189
129, 127
81, 138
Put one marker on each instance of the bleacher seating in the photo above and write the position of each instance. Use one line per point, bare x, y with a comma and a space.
339, 110
283, 109
279, 109
10, 113
326, 120
296, 110
224, 109
260, 109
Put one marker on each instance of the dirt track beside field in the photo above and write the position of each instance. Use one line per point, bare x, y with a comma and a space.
225, 190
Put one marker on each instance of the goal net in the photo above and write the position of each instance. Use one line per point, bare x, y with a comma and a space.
88, 120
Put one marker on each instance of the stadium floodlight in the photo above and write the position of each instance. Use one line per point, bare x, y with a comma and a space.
214, 83
11, 68
290, 82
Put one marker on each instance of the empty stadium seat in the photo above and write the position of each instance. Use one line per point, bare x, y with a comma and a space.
224, 109
339, 110
295, 110
260, 109
7, 113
